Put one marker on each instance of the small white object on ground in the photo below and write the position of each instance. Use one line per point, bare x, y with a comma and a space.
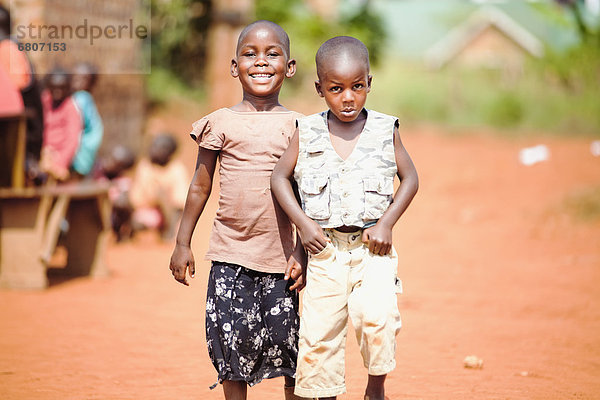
595, 148
533, 155
473, 362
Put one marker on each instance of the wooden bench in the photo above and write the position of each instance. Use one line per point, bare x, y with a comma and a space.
30, 220
12, 150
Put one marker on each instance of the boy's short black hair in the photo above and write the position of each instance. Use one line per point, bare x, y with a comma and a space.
341, 45
166, 141
285, 39
88, 69
123, 155
57, 71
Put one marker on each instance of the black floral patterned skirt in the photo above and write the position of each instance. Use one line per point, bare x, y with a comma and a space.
251, 324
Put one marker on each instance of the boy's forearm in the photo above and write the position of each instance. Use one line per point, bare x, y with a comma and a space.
194, 205
282, 189
404, 195
198, 194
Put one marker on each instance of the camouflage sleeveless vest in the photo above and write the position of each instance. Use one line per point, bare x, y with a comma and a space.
353, 192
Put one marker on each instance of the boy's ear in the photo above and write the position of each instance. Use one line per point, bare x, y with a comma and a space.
234, 68
369, 80
319, 89
291, 68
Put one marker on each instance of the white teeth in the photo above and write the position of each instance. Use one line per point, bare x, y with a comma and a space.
260, 75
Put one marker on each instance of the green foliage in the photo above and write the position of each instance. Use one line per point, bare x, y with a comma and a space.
537, 100
308, 30
575, 69
163, 85
505, 110
367, 26
179, 29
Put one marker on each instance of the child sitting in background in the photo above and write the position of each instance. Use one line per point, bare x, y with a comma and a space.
62, 125
113, 167
159, 188
83, 81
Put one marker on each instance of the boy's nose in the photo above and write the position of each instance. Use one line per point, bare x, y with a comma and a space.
347, 96
261, 61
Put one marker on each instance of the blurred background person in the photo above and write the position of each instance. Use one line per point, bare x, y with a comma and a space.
83, 81
159, 188
62, 125
21, 73
114, 167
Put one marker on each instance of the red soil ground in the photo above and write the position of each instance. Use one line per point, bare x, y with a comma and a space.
494, 264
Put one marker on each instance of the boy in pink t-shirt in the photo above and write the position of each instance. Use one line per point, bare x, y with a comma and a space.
251, 309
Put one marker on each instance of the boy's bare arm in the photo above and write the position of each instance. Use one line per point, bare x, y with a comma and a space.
380, 235
198, 193
296, 266
310, 232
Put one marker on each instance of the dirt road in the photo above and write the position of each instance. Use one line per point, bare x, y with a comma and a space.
494, 264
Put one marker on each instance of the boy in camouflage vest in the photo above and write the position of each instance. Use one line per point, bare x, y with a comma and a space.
344, 161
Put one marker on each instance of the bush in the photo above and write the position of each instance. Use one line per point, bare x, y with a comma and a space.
505, 110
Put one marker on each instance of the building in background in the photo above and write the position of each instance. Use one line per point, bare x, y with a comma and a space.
488, 38
417, 30
119, 94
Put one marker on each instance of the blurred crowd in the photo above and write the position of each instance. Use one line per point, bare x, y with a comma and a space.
64, 133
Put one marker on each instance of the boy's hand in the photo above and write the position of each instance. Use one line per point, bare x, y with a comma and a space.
296, 268
297, 272
312, 236
378, 238
181, 260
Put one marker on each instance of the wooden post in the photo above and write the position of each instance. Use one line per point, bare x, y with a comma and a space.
22, 221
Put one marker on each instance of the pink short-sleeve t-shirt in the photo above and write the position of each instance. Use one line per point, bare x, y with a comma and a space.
250, 228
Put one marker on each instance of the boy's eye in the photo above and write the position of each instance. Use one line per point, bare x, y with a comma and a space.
248, 54
273, 54
335, 89
359, 86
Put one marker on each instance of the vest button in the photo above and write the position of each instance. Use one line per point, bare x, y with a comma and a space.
346, 194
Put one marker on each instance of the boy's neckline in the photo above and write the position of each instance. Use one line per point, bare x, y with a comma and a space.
358, 141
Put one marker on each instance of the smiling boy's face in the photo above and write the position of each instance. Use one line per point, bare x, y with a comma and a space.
262, 61
344, 83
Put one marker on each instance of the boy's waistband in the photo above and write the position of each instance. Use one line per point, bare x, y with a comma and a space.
344, 239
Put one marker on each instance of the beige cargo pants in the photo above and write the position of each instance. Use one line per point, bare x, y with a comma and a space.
346, 279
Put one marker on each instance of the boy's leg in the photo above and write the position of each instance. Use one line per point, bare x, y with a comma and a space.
323, 327
375, 388
288, 390
373, 309
235, 390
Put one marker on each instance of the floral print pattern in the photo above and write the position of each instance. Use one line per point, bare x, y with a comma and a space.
252, 324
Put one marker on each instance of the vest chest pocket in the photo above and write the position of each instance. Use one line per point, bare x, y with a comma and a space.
378, 196
315, 195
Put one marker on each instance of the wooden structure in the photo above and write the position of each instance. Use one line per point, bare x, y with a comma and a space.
12, 151
30, 220
119, 93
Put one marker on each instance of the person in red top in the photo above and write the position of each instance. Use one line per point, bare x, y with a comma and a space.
19, 72
62, 125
